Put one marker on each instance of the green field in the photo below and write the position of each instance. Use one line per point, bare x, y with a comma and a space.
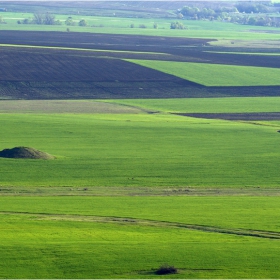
207, 105
216, 74
134, 185
97, 237
140, 149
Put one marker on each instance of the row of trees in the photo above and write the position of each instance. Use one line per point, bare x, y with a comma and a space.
257, 20
49, 19
216, 11
242, 13
177, 25
70, 22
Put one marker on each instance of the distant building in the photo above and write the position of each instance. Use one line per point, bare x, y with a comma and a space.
3, 10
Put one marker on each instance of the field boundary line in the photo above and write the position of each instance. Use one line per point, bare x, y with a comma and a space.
79, 49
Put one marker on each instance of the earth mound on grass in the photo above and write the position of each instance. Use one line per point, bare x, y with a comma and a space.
25, 153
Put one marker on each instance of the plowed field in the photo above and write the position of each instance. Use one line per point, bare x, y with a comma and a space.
94, 67
236, 116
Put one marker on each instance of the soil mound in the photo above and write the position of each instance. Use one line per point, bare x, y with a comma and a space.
25, 153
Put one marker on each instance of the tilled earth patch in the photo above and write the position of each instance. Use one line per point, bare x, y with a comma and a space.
271, 116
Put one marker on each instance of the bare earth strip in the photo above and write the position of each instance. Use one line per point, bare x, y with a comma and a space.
143, 222
137, 191
63, 106
270, 116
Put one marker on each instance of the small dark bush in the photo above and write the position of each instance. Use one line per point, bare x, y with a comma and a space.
142, 26
166, 269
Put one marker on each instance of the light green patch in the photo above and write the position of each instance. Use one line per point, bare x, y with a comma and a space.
75, 49
206, 105
77, 247
216, 74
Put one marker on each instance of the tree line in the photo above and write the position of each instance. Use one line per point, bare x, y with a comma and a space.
243, 13
49, 19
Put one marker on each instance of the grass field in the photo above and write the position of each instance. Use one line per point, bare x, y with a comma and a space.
216, 74
139, 150
207, 105
74, 237
133, 185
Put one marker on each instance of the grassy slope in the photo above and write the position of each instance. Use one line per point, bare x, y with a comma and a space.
216, 74
139, 150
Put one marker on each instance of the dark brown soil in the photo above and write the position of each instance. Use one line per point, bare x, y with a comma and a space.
37, 73
25, 153
236, 116
97, 41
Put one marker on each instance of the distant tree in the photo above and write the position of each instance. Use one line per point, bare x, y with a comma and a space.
131, 25
155, 26
38, 18
189, 12
142, 26
249, 8
57, 22
82, 22
49, 19
180, 15
177, 25
25, 21
69, 21
252, 21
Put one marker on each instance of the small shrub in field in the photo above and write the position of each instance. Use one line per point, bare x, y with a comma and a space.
142, 26
166, 269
